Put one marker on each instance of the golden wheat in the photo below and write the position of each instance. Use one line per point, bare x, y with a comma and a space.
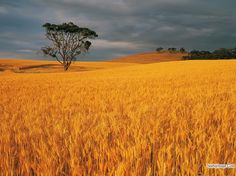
155, 119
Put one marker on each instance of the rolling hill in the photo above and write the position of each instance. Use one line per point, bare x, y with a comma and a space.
41, 66
37, 66
151, 57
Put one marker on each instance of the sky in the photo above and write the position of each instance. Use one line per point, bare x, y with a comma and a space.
124, 26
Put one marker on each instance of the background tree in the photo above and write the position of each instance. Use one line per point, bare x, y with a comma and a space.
68, 41
224, 53
172, 49
221, 53
182, 50
159, 49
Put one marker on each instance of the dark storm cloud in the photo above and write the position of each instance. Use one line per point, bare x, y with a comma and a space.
124, 26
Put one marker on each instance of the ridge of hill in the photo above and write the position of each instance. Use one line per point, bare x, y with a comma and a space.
151, 57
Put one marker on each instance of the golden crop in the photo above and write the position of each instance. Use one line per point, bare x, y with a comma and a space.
142, 120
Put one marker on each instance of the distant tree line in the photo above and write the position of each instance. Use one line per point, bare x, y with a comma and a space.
221, 53
172, 50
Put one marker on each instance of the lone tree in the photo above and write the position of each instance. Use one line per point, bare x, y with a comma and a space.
68, 42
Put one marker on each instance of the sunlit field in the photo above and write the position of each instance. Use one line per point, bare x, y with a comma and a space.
159, 119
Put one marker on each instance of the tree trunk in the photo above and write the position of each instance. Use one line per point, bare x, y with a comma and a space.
66, 65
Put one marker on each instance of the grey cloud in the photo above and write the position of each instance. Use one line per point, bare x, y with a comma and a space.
191, 24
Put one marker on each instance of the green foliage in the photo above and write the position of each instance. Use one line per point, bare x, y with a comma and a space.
69, 28
172, 50
221, 53
182, 50
159, 49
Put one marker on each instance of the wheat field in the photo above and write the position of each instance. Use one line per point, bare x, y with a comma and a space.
161, 119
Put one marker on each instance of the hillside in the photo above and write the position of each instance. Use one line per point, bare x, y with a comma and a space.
146, 58
42, 66
163, 118
39, 66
